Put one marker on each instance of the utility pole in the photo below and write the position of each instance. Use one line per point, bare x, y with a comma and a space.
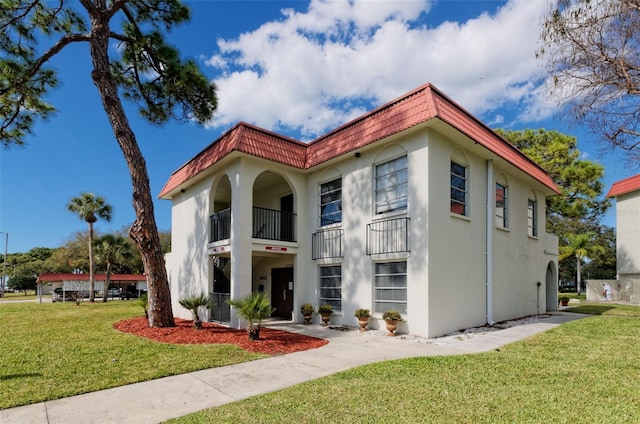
4, 268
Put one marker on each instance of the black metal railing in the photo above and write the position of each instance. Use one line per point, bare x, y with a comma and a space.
221, 310
327, 243
220, 225
390, 236
272, 224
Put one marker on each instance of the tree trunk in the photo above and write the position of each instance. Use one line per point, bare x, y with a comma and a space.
107, 281
92, 275
578, 274
143, 231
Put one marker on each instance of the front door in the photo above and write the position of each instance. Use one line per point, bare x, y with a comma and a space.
282, 292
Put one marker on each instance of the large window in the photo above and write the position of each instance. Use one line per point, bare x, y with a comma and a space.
331, 286
390, 287
501, 206
458, 189
331, 202
532, 217
391, 185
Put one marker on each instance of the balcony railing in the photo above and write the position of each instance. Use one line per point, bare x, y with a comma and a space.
220, 225
268, 224
271, 224
390, 236
327, 243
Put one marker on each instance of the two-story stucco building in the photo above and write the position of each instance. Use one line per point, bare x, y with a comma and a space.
627, 195
416, 206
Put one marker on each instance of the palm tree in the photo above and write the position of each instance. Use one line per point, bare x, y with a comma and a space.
580, 246
111, 250
253, 308
194, 303
89, 207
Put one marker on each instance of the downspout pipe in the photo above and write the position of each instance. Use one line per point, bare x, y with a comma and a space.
489, 242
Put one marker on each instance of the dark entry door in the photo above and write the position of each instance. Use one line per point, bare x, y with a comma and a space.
282, 292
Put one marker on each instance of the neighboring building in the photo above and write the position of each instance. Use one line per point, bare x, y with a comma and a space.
80, 282
627, 195
415, 206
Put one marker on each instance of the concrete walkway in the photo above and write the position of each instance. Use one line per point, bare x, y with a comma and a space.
158, 400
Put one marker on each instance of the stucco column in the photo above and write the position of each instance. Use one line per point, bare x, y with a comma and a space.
241, 226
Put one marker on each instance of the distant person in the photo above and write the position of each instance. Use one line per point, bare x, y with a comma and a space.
606, 292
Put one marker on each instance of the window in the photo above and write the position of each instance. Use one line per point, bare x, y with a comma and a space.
501, 206
331, 286
532, 218
390, 287
331, 202
391, 185
458, 189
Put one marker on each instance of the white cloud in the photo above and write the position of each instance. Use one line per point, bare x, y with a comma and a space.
314, 70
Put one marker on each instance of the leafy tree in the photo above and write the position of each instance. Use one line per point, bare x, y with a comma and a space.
111, 250
89, 207
592, 52
143, 69
581, 204
23, 283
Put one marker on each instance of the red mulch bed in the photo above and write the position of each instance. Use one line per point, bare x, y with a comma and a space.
271, 342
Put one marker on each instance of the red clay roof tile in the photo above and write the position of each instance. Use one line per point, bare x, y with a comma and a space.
625, 186
414, 108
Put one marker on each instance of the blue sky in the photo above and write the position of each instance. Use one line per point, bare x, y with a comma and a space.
299, 68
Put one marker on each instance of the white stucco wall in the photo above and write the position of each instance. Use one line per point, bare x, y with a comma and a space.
446, 267
628, 233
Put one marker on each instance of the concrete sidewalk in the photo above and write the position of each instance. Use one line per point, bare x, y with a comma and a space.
158, 400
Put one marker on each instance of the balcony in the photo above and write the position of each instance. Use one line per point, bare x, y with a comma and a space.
268, 224
327, 244
389, 236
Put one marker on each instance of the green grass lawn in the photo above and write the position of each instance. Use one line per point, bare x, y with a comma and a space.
586, 371
49, 351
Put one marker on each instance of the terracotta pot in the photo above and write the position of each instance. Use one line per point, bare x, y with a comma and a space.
391, 327
307, 319
363, 322
325, 319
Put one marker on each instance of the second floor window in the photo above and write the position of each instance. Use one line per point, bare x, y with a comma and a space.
391, 186
501, 206
532, 219
331, 202
458, 189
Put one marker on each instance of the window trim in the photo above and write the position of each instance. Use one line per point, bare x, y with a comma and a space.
404, 207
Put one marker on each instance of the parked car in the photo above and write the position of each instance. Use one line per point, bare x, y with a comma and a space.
113, 292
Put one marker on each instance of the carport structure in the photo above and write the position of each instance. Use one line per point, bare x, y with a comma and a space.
80, 282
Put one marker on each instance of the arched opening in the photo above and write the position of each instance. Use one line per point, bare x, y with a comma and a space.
219, 265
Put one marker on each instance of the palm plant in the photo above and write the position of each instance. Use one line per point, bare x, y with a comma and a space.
194, 303
89, 207
580, 246
111, 250
253, 308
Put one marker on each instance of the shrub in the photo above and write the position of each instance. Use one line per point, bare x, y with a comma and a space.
306, 309
194, 303
362, 313
392, 315
325, 309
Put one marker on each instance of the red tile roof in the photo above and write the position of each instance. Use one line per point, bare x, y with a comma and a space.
59, 277
625, 186
414, 108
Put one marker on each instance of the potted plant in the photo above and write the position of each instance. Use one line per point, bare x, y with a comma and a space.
193, 304
392, 318
325, 312
564, 300
253, 308
307, 310
363, 316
